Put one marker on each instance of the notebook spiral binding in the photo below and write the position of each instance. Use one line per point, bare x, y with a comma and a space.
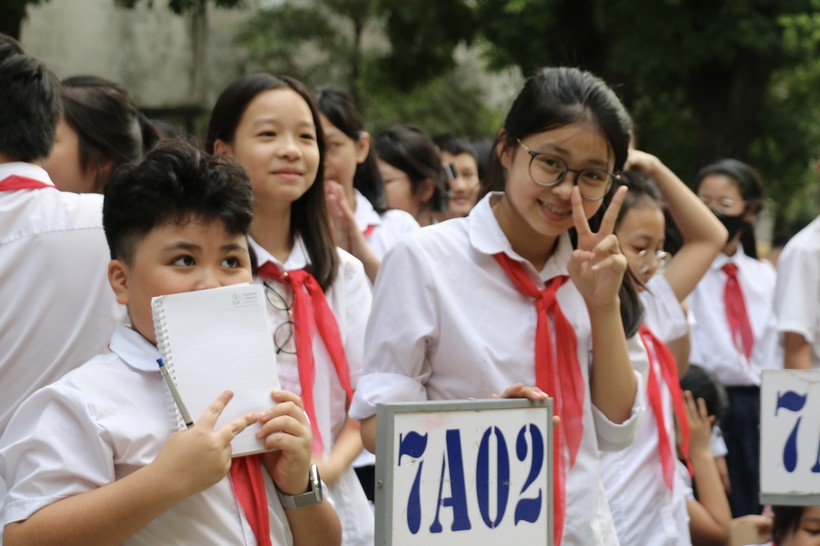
161, 333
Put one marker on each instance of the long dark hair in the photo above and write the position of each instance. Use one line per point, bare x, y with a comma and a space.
341, 110
309, 218
750, 185
557, 97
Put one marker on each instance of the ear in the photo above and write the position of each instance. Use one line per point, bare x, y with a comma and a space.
362, 147
104, 168
751, 212
425, 191
222, 148
502, 150
118, 278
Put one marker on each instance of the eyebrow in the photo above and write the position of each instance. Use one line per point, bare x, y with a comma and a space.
564, 151
272, 120
191, 247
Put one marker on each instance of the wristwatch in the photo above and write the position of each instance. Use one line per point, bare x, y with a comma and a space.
312, 496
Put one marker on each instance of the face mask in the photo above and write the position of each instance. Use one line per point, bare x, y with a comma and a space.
733, 224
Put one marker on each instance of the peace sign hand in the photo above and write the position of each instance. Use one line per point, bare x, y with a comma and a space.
597, 266
195, 459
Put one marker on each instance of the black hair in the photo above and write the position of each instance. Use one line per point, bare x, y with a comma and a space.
411, 151
175, 183
786, 521
642, 190
557, 97
340, 108
454, 145
750, 185
29, 104
309, 217
702, 383
107, 123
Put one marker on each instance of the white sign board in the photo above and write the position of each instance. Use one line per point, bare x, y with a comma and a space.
790, 437
467, 472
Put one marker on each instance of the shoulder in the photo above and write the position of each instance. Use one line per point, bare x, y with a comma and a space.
761, 270
399, 219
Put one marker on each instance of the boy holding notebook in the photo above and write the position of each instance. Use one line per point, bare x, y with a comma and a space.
96, 458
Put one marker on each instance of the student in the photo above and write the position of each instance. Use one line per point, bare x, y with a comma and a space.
735, 330
460, 160
645, 492
410, 166
357, 202
271, 127
706, 404
99, 131
796, 526
57, 308
797, 296
95, 458
434, 332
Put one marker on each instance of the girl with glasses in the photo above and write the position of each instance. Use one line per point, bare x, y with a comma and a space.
646, 493
361, 221
318, 295
735, 333
542, 257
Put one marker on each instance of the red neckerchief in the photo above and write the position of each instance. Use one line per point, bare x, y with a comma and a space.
368, 231
736, 313
562, 380
659, 353
16, 182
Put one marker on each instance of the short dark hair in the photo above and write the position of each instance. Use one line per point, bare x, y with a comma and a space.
340, 108
106, 120
29, 104
309, 217
786, 521
642, 190
411, 151
454, 145
702, 383
173, 184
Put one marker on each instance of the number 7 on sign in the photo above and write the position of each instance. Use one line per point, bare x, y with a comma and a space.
794, 401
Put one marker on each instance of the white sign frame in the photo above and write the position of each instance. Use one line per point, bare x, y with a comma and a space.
480, 425
790, 437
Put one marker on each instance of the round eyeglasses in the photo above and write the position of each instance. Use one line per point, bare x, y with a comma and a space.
282, 334
646, 256
549, 170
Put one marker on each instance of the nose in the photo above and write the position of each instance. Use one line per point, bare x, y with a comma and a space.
208, 278
564, 188
288, 148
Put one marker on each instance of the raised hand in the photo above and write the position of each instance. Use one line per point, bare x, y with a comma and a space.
597, 266
195, 459
286, 431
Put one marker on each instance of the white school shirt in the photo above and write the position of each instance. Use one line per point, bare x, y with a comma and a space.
712, 345
389, 227
645, 510
57, 309
797, 298
447, 323
98, 424
349, 298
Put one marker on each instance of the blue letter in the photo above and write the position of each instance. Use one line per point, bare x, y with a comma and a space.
458, 498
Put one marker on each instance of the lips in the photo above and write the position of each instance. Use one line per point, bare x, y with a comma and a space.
554, 209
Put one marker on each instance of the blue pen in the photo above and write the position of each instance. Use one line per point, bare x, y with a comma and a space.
175, 393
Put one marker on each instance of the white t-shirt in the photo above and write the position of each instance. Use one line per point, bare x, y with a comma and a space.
57, 309
797, 298
101, 422
386, 229
712, 345
349, 298
645, 510
434, 333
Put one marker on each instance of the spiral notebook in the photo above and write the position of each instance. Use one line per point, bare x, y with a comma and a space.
217, 339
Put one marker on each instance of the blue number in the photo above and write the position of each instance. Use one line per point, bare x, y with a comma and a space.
453, 461
816, 467
791, 401
413, 445
482, 477
529, 509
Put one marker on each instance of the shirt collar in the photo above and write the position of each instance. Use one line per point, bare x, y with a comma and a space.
27, 170
133, 349
365, 214
298, 259
722, 259
487, 237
